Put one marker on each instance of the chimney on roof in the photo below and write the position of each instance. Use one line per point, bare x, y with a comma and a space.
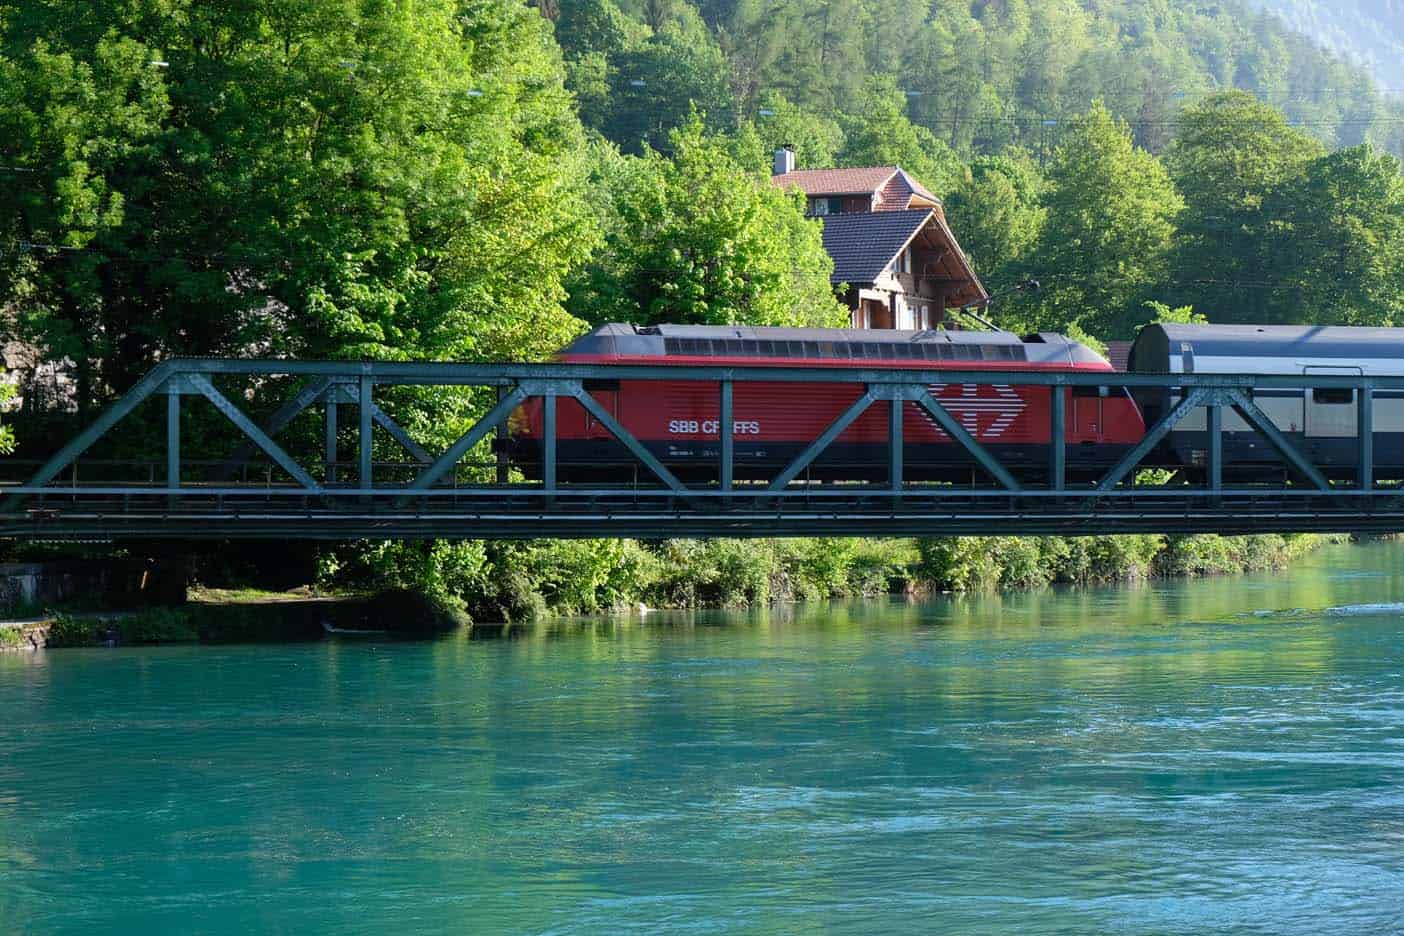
785, 159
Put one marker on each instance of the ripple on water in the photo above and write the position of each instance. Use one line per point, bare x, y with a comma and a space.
1081, 764
1379, 607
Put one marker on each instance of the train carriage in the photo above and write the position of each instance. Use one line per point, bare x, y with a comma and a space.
1320, 422
773, 422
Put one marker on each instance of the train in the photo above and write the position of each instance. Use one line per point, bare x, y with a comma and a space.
1322, 423
773, 422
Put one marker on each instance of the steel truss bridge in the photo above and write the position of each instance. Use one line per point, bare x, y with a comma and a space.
264, 490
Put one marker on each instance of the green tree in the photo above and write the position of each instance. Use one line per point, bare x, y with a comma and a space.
755, 35
79, 128
997, 212
302, 177
1232, 154
1162, 314
1111, 218
702, 238
658, 85
586, 26
594, 35
1337, 242
817, 140
879, 134
7, 435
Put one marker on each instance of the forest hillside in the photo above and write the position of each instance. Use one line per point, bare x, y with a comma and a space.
979, 76
1368, 31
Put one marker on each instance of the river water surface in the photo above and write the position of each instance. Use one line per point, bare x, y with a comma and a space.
1197, 757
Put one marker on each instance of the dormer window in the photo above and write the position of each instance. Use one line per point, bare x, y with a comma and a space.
819, 207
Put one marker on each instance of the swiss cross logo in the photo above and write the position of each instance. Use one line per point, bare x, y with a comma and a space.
984, 416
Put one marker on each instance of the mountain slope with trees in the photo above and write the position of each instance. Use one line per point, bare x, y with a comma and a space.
1366, 31
977, 76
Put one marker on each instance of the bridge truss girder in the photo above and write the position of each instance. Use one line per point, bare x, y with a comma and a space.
317, 502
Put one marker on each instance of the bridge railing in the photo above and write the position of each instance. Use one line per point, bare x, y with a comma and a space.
427, 484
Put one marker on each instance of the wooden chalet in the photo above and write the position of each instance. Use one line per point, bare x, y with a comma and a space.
891, 245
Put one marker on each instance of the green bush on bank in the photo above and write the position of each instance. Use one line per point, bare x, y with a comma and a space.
519, 581
1190, 556
67, 630
158, 625
155, 625
984, 563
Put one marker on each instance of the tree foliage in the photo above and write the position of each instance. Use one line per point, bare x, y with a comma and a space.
1106, 242
321, 177
7, 434
997, 211
1337, 241
983, 76
702, 238
881, 134
1232, 153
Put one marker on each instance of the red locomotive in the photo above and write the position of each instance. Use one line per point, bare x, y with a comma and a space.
774, 422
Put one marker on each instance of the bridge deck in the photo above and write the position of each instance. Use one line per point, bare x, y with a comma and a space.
302, 489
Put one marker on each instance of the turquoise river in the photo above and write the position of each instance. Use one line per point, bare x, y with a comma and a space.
1213, 756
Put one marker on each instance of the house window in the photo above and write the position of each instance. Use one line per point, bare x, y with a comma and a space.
904, 262
819, 207
905, 313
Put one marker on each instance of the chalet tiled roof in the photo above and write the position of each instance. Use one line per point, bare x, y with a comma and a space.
836, 181
864, 243
918, 188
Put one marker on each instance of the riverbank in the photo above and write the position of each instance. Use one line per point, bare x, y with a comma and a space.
267, 617
517, 582
436, 587
215, 616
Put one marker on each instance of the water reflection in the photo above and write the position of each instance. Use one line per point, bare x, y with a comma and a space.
1161, 758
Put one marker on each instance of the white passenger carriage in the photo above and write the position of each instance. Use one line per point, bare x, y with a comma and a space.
1321, 422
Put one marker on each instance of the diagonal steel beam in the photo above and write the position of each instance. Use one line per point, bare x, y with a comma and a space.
114, 414
275, 424
260, 438
446, 462
816, 448
583, 397
1260, 421
398, 433
956, 431
1151, 439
